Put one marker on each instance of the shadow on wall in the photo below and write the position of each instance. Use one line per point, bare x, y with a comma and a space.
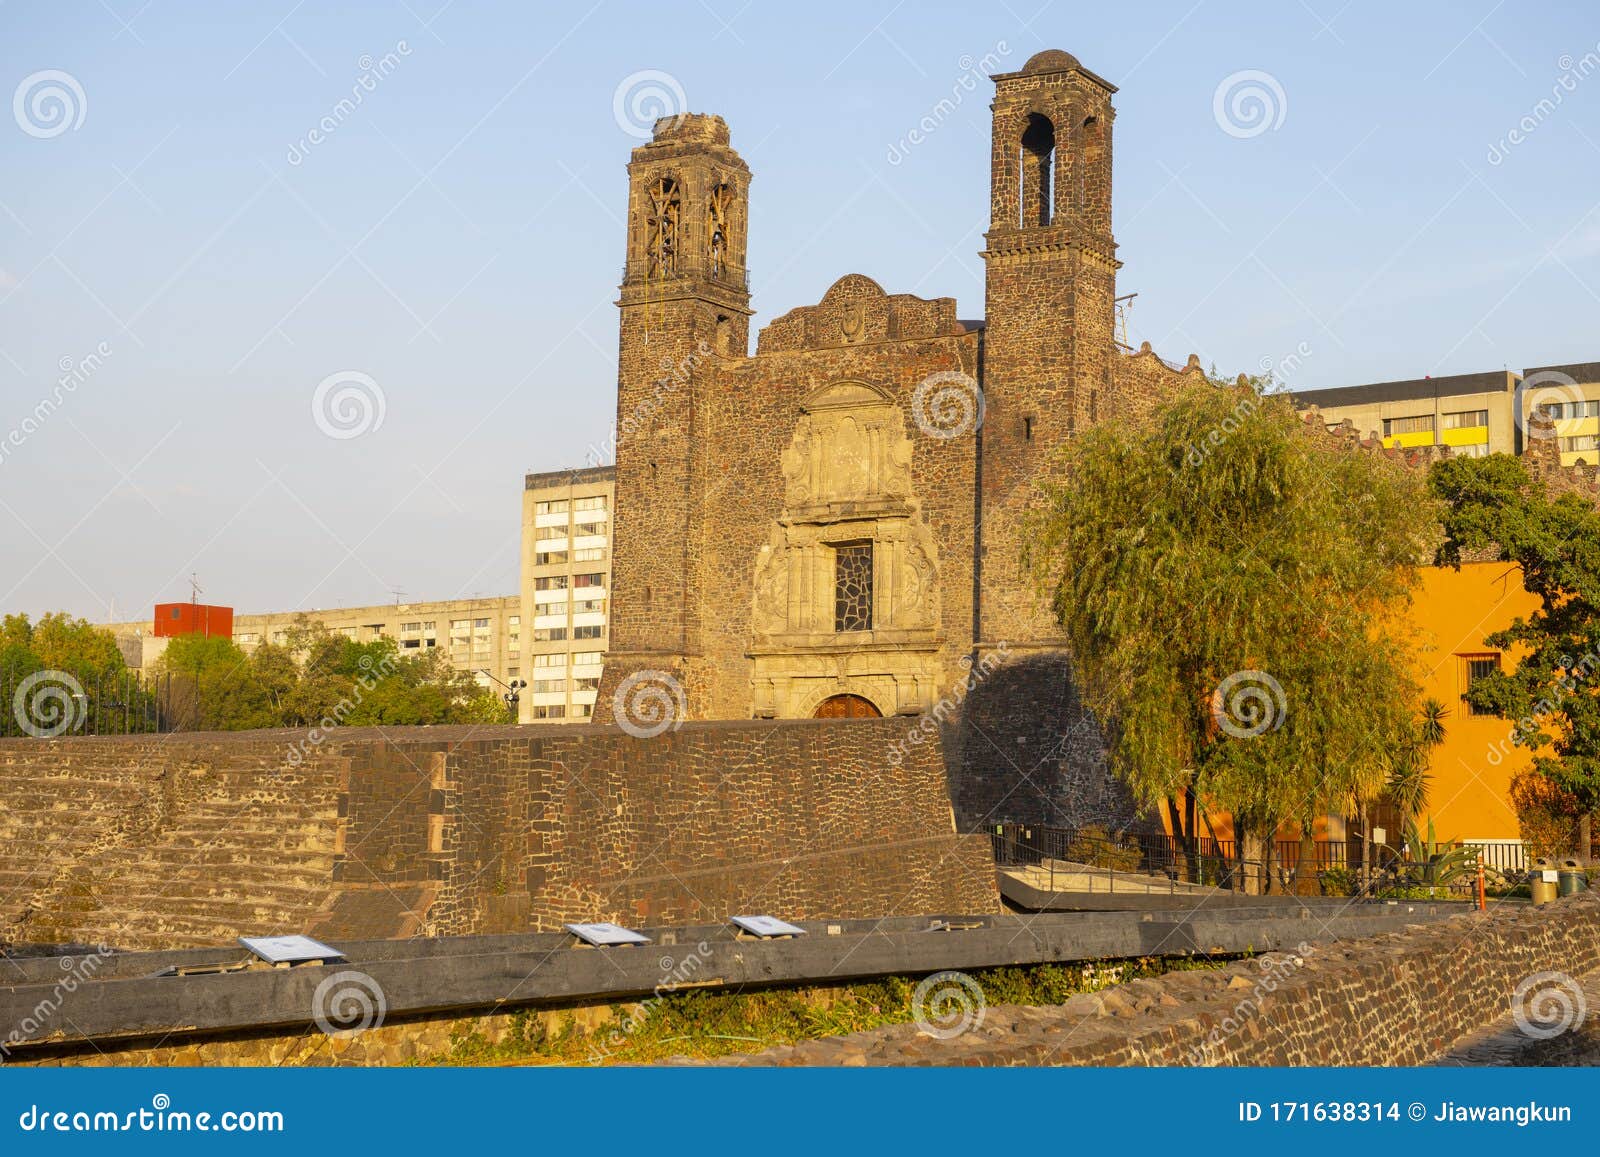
1025, 749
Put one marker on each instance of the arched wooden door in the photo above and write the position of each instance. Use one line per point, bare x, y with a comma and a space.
847, 707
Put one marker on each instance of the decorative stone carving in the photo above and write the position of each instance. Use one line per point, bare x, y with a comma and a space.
847, 483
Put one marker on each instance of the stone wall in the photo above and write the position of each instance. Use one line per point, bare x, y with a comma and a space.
164, 841
1399, 998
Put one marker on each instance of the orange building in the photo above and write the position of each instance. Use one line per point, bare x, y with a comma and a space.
1452, 612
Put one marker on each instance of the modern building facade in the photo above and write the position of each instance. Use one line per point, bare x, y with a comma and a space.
566, 588
1484, 413
480, 635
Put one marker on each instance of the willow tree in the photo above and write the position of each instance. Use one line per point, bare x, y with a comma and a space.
1229, 578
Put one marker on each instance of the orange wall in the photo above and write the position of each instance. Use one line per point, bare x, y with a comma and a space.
1451, 613
1471, 771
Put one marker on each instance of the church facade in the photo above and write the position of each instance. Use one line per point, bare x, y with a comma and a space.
830, 524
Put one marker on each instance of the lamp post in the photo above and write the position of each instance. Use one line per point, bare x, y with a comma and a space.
513, 693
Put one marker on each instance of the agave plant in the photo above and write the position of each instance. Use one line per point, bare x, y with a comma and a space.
1434, 863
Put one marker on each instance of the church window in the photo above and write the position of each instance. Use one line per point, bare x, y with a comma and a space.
852, 579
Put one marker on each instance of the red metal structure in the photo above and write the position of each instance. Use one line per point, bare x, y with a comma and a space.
174, 619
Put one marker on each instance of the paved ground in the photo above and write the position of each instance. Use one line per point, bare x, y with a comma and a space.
1506, 1043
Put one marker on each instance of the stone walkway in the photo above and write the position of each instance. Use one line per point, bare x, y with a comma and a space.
1505, 1043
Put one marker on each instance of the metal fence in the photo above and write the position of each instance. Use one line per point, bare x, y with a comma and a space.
45, 704
1216, 862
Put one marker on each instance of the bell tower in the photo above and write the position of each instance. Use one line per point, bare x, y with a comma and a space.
1050, 288
684, 302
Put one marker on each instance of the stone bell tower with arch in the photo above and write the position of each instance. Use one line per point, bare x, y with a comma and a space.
1050, 288
685, 307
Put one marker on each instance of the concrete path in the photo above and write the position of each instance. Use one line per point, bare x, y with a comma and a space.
1563, 1029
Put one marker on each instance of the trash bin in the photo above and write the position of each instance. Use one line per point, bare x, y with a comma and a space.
1572, 877
1542, 880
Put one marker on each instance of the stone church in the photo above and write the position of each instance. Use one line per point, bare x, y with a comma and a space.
829, 524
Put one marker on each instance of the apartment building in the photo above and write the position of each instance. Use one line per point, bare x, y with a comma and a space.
479, 635
566, 587
1476, 414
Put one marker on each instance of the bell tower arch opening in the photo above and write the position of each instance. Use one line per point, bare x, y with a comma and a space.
1037, 187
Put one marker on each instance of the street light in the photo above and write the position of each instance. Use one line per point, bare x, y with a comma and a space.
513, 689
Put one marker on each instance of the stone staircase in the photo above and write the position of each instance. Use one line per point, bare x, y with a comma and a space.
52, 820
182, 852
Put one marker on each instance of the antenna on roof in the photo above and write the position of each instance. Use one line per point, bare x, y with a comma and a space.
194, 589
397, 592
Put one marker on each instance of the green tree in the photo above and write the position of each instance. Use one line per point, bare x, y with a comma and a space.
1226, 574
1495, 510
213, 687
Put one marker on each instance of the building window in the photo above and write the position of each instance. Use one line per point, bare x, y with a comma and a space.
554, 711
549, 557
1556, 411
1580, 442
543, 686
552, 582
585, 658
594, 502
588, 528
513, 672
411, 626
1466, 419
589, 605
1471, 450
556, 507
582, 710
585, 632
588, 580
550, 532
549, 634
549, 660
586, 684
589, 554
852, 587
1473, 669
246, 638
1393, 426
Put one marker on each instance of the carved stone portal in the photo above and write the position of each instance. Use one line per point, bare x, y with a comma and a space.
846, 592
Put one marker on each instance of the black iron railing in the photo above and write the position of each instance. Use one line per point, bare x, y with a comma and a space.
50, 703
1295, 865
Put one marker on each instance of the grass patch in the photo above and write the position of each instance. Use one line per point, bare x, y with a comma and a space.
702, 1023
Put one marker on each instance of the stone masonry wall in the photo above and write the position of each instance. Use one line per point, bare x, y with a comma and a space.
458, 829
1401, 998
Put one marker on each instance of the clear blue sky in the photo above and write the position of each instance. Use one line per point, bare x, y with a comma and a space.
458, 239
